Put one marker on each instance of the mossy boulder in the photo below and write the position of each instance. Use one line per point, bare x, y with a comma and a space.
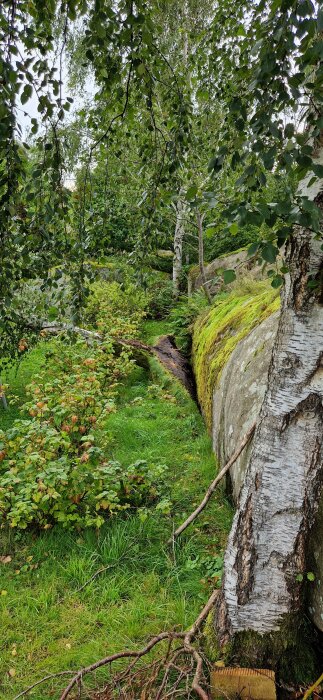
217, 333
238, 261
232, 347
238, 395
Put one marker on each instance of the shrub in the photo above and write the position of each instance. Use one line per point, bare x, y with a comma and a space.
161, 299
116, 311
54, 467
43, 480
182, 318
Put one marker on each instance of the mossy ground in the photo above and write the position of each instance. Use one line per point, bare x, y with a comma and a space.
218, 331
46, 624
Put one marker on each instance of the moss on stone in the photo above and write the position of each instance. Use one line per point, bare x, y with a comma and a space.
217, 333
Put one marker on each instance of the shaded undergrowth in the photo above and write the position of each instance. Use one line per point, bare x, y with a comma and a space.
48, 624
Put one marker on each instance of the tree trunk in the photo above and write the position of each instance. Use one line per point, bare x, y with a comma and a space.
182, 207
259, 613
199, 219
181, 211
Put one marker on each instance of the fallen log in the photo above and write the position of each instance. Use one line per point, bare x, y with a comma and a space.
165, 350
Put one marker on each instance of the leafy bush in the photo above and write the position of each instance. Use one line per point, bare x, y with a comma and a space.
44, 480
54, 466
182, 318
115, 310
161, 299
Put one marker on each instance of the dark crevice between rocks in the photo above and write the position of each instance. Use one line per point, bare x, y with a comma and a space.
172, 359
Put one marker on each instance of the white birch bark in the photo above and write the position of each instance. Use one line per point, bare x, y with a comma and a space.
181, 213
267, 545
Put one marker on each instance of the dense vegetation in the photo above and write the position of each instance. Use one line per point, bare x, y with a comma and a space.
47, 621
139, 141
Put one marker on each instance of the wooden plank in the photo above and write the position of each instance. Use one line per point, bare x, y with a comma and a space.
244, 683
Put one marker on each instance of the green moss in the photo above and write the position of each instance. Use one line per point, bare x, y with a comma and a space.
217, 333
209, 639
290, 652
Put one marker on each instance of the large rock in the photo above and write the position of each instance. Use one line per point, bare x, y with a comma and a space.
239, 394
241, 354
237, 261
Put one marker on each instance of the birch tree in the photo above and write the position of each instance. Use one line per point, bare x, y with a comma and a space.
260, 611
266, 556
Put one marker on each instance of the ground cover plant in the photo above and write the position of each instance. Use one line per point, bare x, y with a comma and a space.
48, 623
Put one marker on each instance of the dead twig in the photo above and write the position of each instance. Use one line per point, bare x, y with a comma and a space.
114, 657
313, 687
92, 578
213, 486
169, 662
43, 680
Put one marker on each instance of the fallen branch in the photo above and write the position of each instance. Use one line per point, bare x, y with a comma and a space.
165, 349
213, 486
42, 680
54, 328
171, 656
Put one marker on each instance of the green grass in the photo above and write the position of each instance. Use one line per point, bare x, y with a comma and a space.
47, 625
17, 378
153, 329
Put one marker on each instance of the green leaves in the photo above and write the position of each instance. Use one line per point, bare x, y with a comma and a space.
191, 193
317, 169
309, 575
215, 164
228, 276
277, 281
26, 94
269, 252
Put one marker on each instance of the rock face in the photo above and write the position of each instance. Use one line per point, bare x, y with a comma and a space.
238, 397
237, 390
237, 261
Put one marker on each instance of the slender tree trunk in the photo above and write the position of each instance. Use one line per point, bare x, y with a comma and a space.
181, 212
181, 208
261, 599
199, 220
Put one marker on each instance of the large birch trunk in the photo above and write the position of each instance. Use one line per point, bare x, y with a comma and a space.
267, 547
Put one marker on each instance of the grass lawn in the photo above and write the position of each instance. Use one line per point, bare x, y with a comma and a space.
47, 623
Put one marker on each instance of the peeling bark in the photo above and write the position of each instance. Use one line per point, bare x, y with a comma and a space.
267, 545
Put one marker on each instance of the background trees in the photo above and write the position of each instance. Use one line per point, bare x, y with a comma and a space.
213, 108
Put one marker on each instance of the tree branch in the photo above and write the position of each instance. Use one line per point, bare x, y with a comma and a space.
213, 486
188, 638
